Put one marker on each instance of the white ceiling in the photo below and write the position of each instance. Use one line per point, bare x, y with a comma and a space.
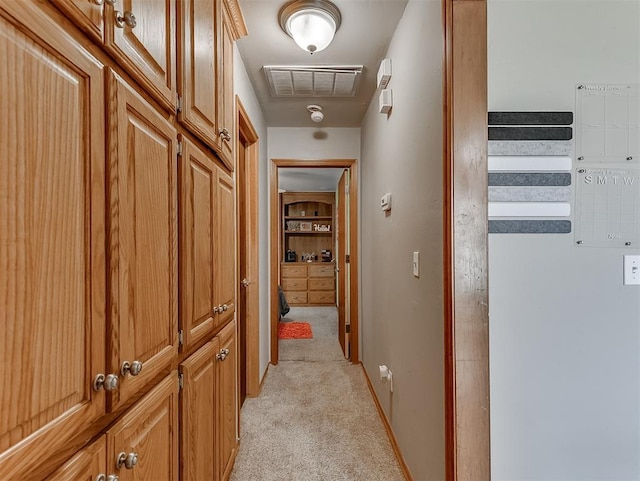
362, 39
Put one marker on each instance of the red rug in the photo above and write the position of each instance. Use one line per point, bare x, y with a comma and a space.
294, 330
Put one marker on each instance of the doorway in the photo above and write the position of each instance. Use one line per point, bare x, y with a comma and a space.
277, 254
247, 280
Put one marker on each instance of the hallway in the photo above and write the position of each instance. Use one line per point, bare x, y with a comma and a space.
315, 418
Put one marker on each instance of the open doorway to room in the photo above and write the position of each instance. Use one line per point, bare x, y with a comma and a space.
313, 259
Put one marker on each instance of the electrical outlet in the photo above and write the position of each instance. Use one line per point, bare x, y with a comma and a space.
632, 270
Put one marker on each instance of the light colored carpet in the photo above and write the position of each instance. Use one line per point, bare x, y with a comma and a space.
324, 346
314, 421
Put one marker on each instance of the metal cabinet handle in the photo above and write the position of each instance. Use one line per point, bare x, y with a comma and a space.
224, 133
99, 2
246, 282
101, 477
113, 477
225, 307
108, 382
221, 356
128, 460
126, 18
132, 368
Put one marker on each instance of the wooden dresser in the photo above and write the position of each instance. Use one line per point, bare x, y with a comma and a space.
309, 283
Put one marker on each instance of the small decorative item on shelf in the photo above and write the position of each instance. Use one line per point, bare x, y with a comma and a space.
326, 255
321, 228
308, 256
293, 226
291, 256
305, 226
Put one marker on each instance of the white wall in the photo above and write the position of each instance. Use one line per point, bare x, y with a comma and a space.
401, 315
244, 89
564, 332
313, 143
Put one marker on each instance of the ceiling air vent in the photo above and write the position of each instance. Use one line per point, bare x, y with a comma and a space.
312, 80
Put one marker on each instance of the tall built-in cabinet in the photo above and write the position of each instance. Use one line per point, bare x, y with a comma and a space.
117, 240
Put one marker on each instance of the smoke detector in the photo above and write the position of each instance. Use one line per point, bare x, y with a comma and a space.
316, 112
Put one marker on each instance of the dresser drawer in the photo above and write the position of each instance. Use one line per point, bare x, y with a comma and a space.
322, 284
319, 270
322, 297
294, 284
296, 297
294, 270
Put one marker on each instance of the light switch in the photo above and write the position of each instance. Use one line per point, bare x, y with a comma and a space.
416, 264
632, 270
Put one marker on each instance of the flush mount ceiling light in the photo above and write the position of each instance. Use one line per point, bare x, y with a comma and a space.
311, 23
316, 113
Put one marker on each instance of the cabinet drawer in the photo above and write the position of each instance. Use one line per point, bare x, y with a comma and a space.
296, 297
294, 284
319, 270
294, 270
322, 284
322, 297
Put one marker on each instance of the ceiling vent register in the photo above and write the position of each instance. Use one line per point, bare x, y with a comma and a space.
313, 81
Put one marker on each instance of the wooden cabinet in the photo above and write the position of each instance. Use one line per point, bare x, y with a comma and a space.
87, 465
85, 14
52, 307
197, 72
207, 239
143, 444
309, 283
225, 248
142, 238
226, 104
208, 436
308, 230
227, 401
141, 35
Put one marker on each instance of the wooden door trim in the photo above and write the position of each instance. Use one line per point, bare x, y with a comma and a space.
275, 255
250, 182
467, 428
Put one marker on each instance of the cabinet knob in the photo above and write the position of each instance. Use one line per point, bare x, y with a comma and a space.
101, 477
113, 477
99, 2
132, 368
224, 133
129, 461
126, 18
246, 282
222, 355
108, 382
225, 307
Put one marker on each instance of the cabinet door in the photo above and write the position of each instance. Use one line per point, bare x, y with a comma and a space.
87, 465
225, 248
52, 237
197, 214
140, 34
226, 117
85, 14
148, 432
143, 235
197, 68
197, 422
227, 400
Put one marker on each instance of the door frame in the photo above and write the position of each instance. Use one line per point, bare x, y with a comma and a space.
275, 248
247, 195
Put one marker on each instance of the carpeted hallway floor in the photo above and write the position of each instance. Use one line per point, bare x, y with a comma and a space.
315, 419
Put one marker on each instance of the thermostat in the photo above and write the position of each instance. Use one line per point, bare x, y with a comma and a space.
385, 202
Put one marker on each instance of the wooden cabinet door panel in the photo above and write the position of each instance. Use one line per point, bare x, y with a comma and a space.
86, 14
84, 466
226, 118
197, 423
197, 70
225, 247
227, 400
150, 430
148, 50
52, 237
143, 235
197, 215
